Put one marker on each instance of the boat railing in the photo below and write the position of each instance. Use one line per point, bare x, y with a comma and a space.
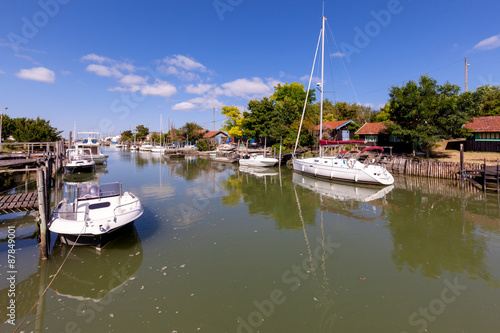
72, 216
126, 204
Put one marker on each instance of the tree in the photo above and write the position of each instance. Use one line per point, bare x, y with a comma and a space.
142, 131
30, 130
191, 132
233, 124
488, 97
426, 113
126, 136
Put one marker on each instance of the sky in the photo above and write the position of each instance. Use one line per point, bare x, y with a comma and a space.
110, 65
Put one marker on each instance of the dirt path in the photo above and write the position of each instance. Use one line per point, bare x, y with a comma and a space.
453, 155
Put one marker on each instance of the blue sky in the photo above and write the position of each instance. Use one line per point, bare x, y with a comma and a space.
110, 65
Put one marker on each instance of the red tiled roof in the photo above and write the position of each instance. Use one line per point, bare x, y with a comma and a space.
371, 129
333, 124
211, 134
484, 124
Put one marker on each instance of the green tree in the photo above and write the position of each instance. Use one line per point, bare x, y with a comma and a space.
141, 131
426, 113
126, 136
31, 130
191, 132
488, 97
233, 124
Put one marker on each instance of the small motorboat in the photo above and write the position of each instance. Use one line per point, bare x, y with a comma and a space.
258, 161
96, 211
76, 162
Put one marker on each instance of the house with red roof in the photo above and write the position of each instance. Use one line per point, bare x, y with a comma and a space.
376, 134
336, 130
485, 134
216, 137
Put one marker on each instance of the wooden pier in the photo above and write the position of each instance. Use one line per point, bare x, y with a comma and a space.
46, 163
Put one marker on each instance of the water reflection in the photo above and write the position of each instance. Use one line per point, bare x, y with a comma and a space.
91, 275
434, 234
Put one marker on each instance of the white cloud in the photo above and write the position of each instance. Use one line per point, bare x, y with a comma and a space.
202, 103
2, 72
185, 63
490, 43
131, 79
41, 74
96, 58
160, 88
65, 73
247, 88
200, 88
184, 106
102, 70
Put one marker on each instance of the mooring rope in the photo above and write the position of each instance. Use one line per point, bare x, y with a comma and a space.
48, 286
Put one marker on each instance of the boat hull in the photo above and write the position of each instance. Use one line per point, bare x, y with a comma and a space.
80, 167
347, 170
258, 161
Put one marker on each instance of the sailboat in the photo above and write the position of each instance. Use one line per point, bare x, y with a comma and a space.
343, 167
160, 148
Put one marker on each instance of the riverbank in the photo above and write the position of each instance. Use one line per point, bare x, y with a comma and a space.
448, 151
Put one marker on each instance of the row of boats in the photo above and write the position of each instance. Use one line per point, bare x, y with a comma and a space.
95, 211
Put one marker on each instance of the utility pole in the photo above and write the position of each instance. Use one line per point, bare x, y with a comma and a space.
466, 79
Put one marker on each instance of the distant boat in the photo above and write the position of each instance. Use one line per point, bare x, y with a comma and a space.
97, 210
340, 167
258, 161
146, 146
90, 141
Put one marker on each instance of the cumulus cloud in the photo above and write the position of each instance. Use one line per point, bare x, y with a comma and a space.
248, 88
160, 88
95, 58
184, 62
200, 88
184, 106
202, 102
102, 70
40, 74
490, 43
131, 79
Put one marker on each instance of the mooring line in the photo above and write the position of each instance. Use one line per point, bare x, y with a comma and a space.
48, 286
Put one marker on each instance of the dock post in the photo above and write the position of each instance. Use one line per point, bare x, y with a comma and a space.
42, 209
484, 175
498, 173
462, 172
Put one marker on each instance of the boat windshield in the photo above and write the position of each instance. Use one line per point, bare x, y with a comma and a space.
88, 192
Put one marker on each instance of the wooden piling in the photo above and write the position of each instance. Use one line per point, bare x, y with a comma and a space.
42, 209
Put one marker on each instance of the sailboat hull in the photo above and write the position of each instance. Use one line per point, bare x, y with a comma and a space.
348, 170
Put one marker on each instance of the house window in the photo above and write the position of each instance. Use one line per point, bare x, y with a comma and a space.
393, 138
488, 136
371, 138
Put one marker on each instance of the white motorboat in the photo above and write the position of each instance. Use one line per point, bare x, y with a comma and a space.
91, 142
76, 163
343, 168
146, 146
258, 161
96, 211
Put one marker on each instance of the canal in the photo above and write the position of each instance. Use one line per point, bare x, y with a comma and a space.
219, 249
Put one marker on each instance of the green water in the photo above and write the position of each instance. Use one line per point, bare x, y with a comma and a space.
223, 250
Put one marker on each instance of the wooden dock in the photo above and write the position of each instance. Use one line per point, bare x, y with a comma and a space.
19, 202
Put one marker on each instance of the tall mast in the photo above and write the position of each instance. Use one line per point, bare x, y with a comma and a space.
323, 18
